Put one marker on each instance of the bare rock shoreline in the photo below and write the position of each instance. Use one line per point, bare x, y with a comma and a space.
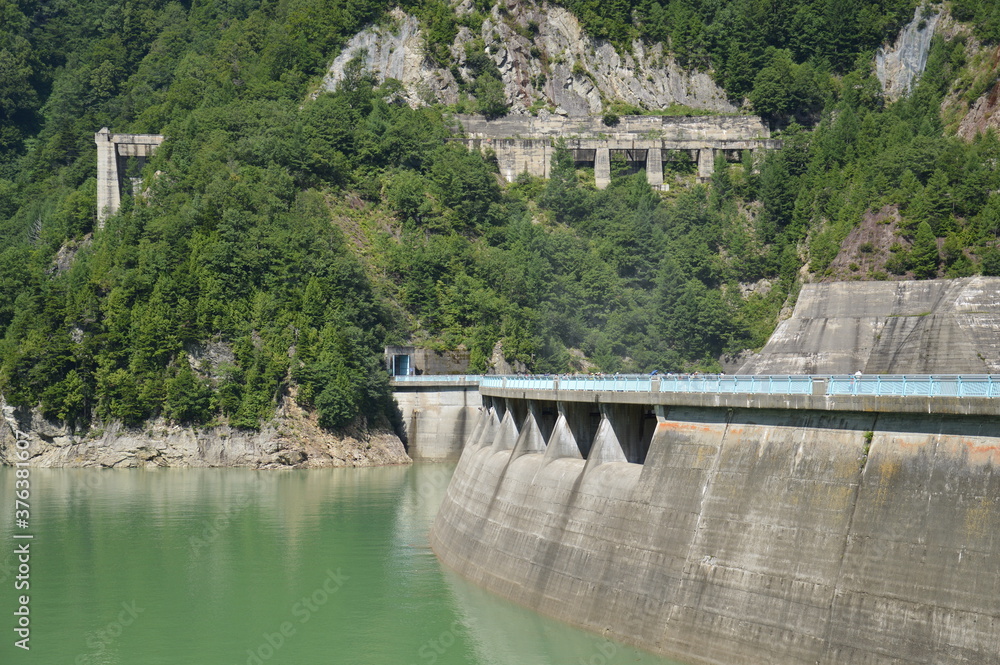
292, 439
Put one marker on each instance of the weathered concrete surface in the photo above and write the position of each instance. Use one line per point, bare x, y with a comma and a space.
965, 406
111, 149
629, 127
523, 144
750, 536
438, 418
927, 327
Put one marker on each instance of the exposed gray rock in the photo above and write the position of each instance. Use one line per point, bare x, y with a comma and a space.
900, 65
292, 457
292, 438
396, 51
211, 358
559, 66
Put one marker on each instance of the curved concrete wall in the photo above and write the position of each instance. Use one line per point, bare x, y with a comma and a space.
748, 536
941, 326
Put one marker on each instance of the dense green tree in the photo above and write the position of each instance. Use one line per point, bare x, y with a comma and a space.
924, 256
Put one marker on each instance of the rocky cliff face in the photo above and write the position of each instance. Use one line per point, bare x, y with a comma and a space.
899, 66
544, 57
291, 440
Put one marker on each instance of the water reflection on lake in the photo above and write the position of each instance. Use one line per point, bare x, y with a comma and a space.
232, 566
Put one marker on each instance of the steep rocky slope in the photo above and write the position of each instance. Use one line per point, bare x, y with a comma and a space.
544, 57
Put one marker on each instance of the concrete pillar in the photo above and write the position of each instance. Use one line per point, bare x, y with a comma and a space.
606, 447
562, 443
478, 429
654, 167
530, 440
545, 417
108, 196
491, 425
633, 426
602, 168
506, 437
518, 408
583, 420
706, 164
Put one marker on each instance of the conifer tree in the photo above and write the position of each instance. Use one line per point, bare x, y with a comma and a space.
924, 255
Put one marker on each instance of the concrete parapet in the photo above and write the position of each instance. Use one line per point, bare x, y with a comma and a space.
969, 406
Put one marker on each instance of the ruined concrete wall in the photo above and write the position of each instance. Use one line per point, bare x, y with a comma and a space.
926, 327
667, 128
438, 420
751, 536
526, 144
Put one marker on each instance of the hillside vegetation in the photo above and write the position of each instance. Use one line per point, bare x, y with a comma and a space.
286, 238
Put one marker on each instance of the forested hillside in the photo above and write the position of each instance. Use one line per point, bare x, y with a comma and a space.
288, 236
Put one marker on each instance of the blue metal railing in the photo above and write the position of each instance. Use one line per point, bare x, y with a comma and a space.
758, 385
439, 378
934, 385
880, 385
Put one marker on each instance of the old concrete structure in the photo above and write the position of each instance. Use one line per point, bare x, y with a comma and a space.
414, 360
526, 144
928, 327
438, 416
739, 529
113, 154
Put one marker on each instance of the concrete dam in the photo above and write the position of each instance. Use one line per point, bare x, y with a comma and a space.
738, 529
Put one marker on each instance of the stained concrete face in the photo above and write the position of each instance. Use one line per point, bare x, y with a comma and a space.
749, 536
438, 420
927, 327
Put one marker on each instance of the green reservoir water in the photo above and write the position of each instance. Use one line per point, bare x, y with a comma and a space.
231, 566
